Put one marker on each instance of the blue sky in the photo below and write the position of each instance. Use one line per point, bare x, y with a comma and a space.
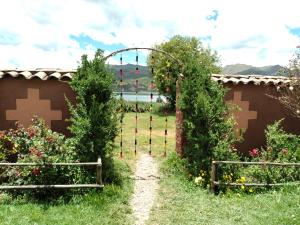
54, 34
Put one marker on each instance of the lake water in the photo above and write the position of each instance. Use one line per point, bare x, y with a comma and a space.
141, 97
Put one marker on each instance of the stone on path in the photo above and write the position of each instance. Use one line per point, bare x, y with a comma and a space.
145, 189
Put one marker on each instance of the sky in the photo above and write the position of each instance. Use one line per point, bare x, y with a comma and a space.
55, 33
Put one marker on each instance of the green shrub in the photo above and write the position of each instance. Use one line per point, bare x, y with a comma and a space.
94, 118
144, 107
209, 131
38, 144
280, 147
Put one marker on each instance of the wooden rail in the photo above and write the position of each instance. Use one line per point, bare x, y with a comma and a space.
98, 183
215, 182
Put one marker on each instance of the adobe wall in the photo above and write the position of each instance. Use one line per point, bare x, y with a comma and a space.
258, 110
21, 99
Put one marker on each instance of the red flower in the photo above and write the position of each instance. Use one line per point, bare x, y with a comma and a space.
31, 132
254, 152
50, 139
39, 154
34, 151
36, 171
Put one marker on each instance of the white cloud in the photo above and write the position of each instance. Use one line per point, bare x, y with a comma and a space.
253, 32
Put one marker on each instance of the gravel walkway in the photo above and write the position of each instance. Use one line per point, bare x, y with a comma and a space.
145, 189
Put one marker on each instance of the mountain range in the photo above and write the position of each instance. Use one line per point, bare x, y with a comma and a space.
244, 69
144, 76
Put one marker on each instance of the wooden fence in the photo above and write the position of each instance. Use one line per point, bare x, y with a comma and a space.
98, 183
215, 182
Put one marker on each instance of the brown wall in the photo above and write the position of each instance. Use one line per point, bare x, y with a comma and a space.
48, 100
263, 109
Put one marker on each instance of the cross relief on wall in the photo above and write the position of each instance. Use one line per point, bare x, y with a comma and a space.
32, 106
243, 115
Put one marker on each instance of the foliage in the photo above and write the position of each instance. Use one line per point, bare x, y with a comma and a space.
38, 144
180, 201
289, 94
280, 147
159, 99
166, 70
209, 130
110, 206
144, 107
94, 118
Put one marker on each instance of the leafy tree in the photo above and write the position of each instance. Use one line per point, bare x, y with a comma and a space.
94, 118
209, 130
166, 70
290, 94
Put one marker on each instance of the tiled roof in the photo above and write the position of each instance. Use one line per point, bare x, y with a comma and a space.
43, 74
47, 74
251, 79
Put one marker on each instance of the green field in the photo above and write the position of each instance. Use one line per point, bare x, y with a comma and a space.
182, 202
179, 201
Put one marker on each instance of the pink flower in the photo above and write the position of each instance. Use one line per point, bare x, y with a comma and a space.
254, 152
17, 173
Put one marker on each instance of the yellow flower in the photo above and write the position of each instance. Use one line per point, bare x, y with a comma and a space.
242, 179
198, 180
243, 187
250, 190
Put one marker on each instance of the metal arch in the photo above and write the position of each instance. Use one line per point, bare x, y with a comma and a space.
150, 49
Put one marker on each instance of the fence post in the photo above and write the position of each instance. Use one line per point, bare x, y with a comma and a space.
180, 138
213, 176
99, 172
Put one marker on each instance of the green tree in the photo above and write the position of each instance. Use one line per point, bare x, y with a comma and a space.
208, 127
166, 70
94, 117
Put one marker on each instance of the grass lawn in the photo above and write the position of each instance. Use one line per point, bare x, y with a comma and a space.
181, 202
111, 206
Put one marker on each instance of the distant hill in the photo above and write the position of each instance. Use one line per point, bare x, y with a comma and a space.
244, 69
129, 71
130, 76
144, 75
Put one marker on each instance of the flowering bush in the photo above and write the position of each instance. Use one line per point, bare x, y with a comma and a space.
281, 147
38, 144
200, 180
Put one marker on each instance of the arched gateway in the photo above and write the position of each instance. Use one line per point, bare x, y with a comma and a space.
179, 115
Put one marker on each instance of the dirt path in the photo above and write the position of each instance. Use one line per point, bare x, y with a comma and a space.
145, 189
